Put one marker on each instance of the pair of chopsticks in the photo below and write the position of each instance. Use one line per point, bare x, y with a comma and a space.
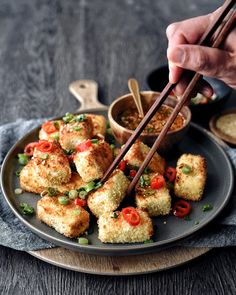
213, 37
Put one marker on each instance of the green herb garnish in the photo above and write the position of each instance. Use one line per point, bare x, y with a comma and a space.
77, 128
147, 170
44, 156
26, 209
63, 200
83, 241
186, 169
114, 215
80, 118
73, 194
94, 140
148, 241
196, 222
55, 136
68, 118
52, 191
83, 194
23, 159
56, 124
68, 152
18, 191
207, 207
18, 173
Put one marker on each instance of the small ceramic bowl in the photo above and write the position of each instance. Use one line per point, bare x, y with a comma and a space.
158, 79
122, 134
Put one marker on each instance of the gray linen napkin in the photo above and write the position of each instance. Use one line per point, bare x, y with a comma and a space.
13, 234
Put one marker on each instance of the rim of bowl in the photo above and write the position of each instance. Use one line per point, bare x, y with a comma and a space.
186, 120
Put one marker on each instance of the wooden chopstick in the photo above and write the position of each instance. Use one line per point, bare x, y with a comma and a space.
205, 40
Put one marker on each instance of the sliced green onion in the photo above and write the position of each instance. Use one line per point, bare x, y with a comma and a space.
66, 193
114, 215
207, 207
142, 182
52, 191
55, 136
56, 124
98, 185
80, 118
94, 140
73, 194
83, 195
26, 209
89, 187
18, 173
147, 170
18, 191
44, 156
186, 169
68, 117
77, 128
83, 241
68, 152
23, 159
196, 222
148, 241
63, 200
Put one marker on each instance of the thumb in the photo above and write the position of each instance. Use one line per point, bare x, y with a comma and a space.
207, 61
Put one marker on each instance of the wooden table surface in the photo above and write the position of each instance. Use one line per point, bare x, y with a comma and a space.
44, 45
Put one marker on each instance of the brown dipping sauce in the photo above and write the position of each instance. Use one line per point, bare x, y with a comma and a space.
130, 119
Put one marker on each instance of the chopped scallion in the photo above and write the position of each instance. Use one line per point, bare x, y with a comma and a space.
68, 117
55, 136
186, 169
80, 118
73, 194
26, 209
83, 241
63, 200
148, 241
52, 191
18, 191
207, 207
83, 195
23, 159
44, 156
77, 128
94, 140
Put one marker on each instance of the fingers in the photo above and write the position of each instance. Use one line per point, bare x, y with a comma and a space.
207, 61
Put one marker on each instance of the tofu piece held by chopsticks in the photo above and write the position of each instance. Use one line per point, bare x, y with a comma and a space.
110, 195
155, 201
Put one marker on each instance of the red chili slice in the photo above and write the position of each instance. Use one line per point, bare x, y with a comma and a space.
170, 173
29, 149
181, 209
122, 165
49, 127
131, 215
44, 146
80, 202
84, 146
157, 182
132, 173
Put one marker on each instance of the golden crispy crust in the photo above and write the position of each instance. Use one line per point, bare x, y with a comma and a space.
74, 133
138, 152
70, 220
99, 124
109, 196
118, 230
93, 163
55, 169
190, 186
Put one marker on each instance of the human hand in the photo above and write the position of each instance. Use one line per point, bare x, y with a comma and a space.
211, 62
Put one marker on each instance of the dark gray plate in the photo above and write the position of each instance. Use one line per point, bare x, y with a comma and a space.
169, 229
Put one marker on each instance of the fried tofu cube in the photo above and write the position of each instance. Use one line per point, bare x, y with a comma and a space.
30, 181
110, 195
74, 132
92, 163
53, 166
99, 124
138, 152
70, 220
155, 201
190, 177
118, 230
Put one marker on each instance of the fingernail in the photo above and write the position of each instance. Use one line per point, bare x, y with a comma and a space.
177, 56
171, 66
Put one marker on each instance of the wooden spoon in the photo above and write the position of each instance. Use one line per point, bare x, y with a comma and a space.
134, 89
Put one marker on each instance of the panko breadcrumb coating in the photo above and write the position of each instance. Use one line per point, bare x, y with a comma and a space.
190, 186
70, 220
138, 152
109, 196
118, 230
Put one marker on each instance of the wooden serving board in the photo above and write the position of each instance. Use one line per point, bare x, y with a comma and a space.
86, 93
